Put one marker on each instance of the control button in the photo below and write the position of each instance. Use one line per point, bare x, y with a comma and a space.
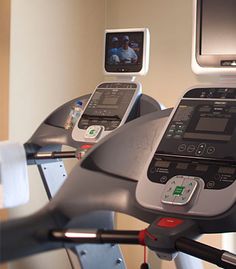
210, 150
191, 148
210, 184
93, 132
170, 189
188, 190
86, 146
178, 190
153, 170
217, 177
169, 135
200, 149
180, 127
177, 136
163, 179
166, 196
182, 147
202, 146
184, 199
185, 193
169, 222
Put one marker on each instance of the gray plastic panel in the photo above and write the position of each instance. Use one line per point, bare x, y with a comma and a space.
53, 174
126, 151
88, 256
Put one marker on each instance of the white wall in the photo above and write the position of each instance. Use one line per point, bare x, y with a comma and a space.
55, 56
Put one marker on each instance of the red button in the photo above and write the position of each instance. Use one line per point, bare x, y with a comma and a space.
86, 146
169, 222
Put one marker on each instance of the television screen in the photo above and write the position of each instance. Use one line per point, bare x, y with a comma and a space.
124, 52
218, 31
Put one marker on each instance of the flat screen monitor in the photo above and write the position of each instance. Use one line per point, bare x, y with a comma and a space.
126, 51
216, 33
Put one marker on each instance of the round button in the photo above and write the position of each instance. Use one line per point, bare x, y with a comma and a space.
210, 150
182, 147
217, 176
153, 170
191, 148
163, 179
210, 184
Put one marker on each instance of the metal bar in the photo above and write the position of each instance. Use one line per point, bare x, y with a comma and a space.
80, 236
229, 258
202, 251
52, 155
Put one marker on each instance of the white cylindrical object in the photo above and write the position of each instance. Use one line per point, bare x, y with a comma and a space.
14, 185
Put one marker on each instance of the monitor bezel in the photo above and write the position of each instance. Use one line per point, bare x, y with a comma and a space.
215, 60
127, 72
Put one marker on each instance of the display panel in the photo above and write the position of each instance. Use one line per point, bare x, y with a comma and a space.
211, 124
124, 51
218, 27
215, 33
203, 128
107, 107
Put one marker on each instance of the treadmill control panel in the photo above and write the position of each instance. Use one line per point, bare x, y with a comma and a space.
194, 162
201, 137
107, 109
204, 128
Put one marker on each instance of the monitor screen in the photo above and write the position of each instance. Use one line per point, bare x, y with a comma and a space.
124, 52
215, 34
218, 27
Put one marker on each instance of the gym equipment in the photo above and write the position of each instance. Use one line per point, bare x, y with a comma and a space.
44, 149
107, 178
126, 55
108, 108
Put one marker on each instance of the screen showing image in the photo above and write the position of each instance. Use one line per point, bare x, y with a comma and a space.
124, 51
218, 27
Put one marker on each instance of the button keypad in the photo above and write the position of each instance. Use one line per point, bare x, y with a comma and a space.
179, 190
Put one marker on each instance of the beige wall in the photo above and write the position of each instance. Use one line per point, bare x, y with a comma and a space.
4, 66
55, 56
4, 76
170, 25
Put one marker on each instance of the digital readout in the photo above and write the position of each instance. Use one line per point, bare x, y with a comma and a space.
162, 164
211, 124
226, 170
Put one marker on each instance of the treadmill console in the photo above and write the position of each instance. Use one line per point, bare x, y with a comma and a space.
194, 162
108, 108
